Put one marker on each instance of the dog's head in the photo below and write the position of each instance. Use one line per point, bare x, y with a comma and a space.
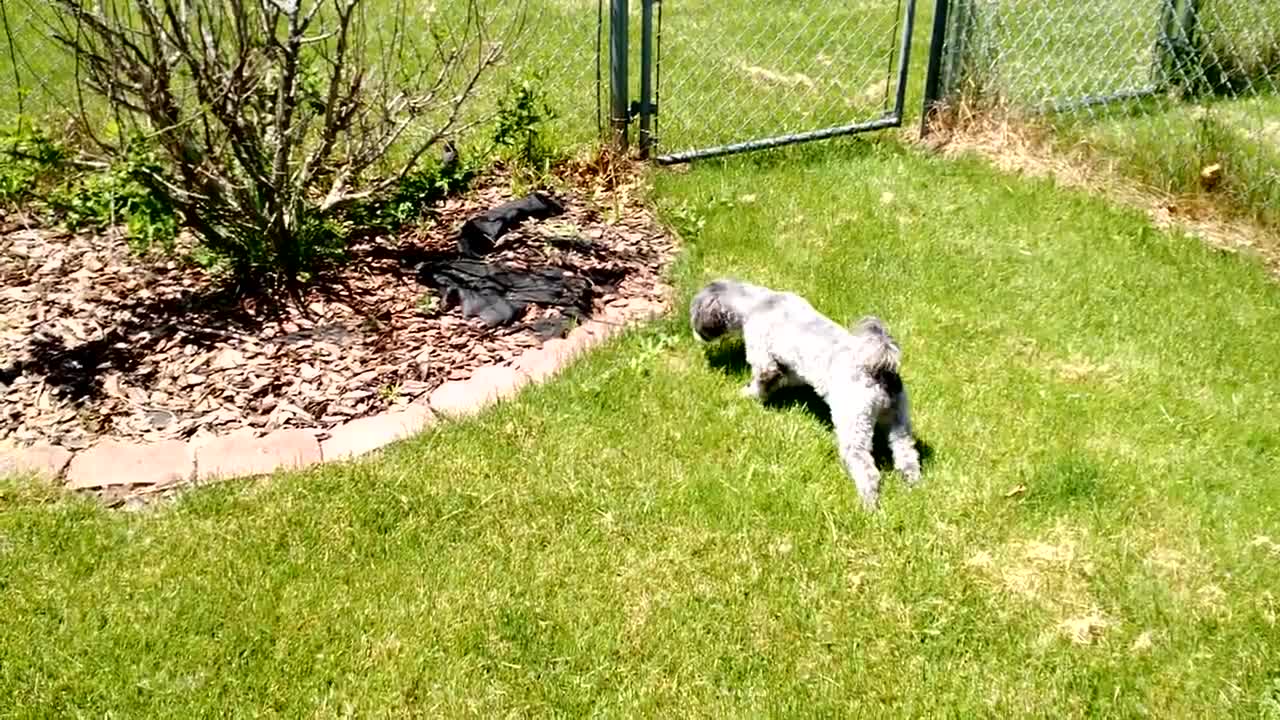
708, 315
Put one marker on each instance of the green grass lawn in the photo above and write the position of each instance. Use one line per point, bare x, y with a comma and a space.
1096, 535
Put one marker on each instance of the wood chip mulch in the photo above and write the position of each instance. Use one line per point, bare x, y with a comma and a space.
98, 341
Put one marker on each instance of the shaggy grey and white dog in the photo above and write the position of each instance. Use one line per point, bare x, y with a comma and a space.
855, 370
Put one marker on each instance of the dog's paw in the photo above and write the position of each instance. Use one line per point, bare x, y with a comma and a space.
870, 500
751, 392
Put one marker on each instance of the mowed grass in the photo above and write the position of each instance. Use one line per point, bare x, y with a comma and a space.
1096, 535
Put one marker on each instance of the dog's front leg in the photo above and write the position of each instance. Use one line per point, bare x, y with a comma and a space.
763, 381
765, 371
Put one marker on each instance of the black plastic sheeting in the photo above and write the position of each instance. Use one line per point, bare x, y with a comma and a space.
480, 233
500, 294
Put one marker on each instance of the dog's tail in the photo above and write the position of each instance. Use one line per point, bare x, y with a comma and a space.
879, 351
722, 306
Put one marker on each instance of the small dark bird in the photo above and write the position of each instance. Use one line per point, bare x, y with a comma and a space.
449, 157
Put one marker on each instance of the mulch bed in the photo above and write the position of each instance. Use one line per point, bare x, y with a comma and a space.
98, 341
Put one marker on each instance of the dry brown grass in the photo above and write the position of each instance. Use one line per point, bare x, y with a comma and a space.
1028, 149
1050, 573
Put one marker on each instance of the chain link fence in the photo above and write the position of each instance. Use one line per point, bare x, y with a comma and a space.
558, 48
732, 72
33, 69
1185, 92
563, 48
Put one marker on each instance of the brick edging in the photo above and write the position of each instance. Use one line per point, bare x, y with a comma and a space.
142, 468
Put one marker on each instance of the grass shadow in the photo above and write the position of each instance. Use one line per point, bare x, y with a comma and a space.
729, 356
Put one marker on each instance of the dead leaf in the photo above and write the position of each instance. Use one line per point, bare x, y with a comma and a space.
1210, 176
111, 385
1086, 629
228, 359
1143, 642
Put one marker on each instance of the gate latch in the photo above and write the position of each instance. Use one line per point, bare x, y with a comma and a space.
634, 110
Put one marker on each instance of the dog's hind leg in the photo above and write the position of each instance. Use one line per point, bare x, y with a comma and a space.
902, 441
854, 431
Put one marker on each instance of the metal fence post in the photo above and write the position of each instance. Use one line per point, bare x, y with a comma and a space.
1191, 21
933, 76
904, 61
960, 30
646, 76
619, 101
1166, 64
1191, 45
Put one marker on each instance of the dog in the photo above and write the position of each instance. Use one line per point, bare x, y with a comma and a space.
855, 371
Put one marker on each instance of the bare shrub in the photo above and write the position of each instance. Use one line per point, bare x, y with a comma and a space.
273, 116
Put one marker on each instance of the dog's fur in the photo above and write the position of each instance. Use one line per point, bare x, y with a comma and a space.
855, 371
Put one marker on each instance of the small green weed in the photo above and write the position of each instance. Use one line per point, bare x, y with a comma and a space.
39, 170
522, 114
416, 192
389, 392
117, 195
428, 304
31, 157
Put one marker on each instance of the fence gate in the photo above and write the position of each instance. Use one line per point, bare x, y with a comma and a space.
727, 76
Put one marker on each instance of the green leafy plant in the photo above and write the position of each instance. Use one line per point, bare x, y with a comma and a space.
29, 157
428, 304
410, 197
389, 392
119, 195
522, 114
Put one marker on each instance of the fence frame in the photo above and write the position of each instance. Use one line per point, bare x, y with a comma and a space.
1178, 23
647, 110
619, 107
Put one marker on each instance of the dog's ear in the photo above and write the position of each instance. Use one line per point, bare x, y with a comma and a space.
868, 324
